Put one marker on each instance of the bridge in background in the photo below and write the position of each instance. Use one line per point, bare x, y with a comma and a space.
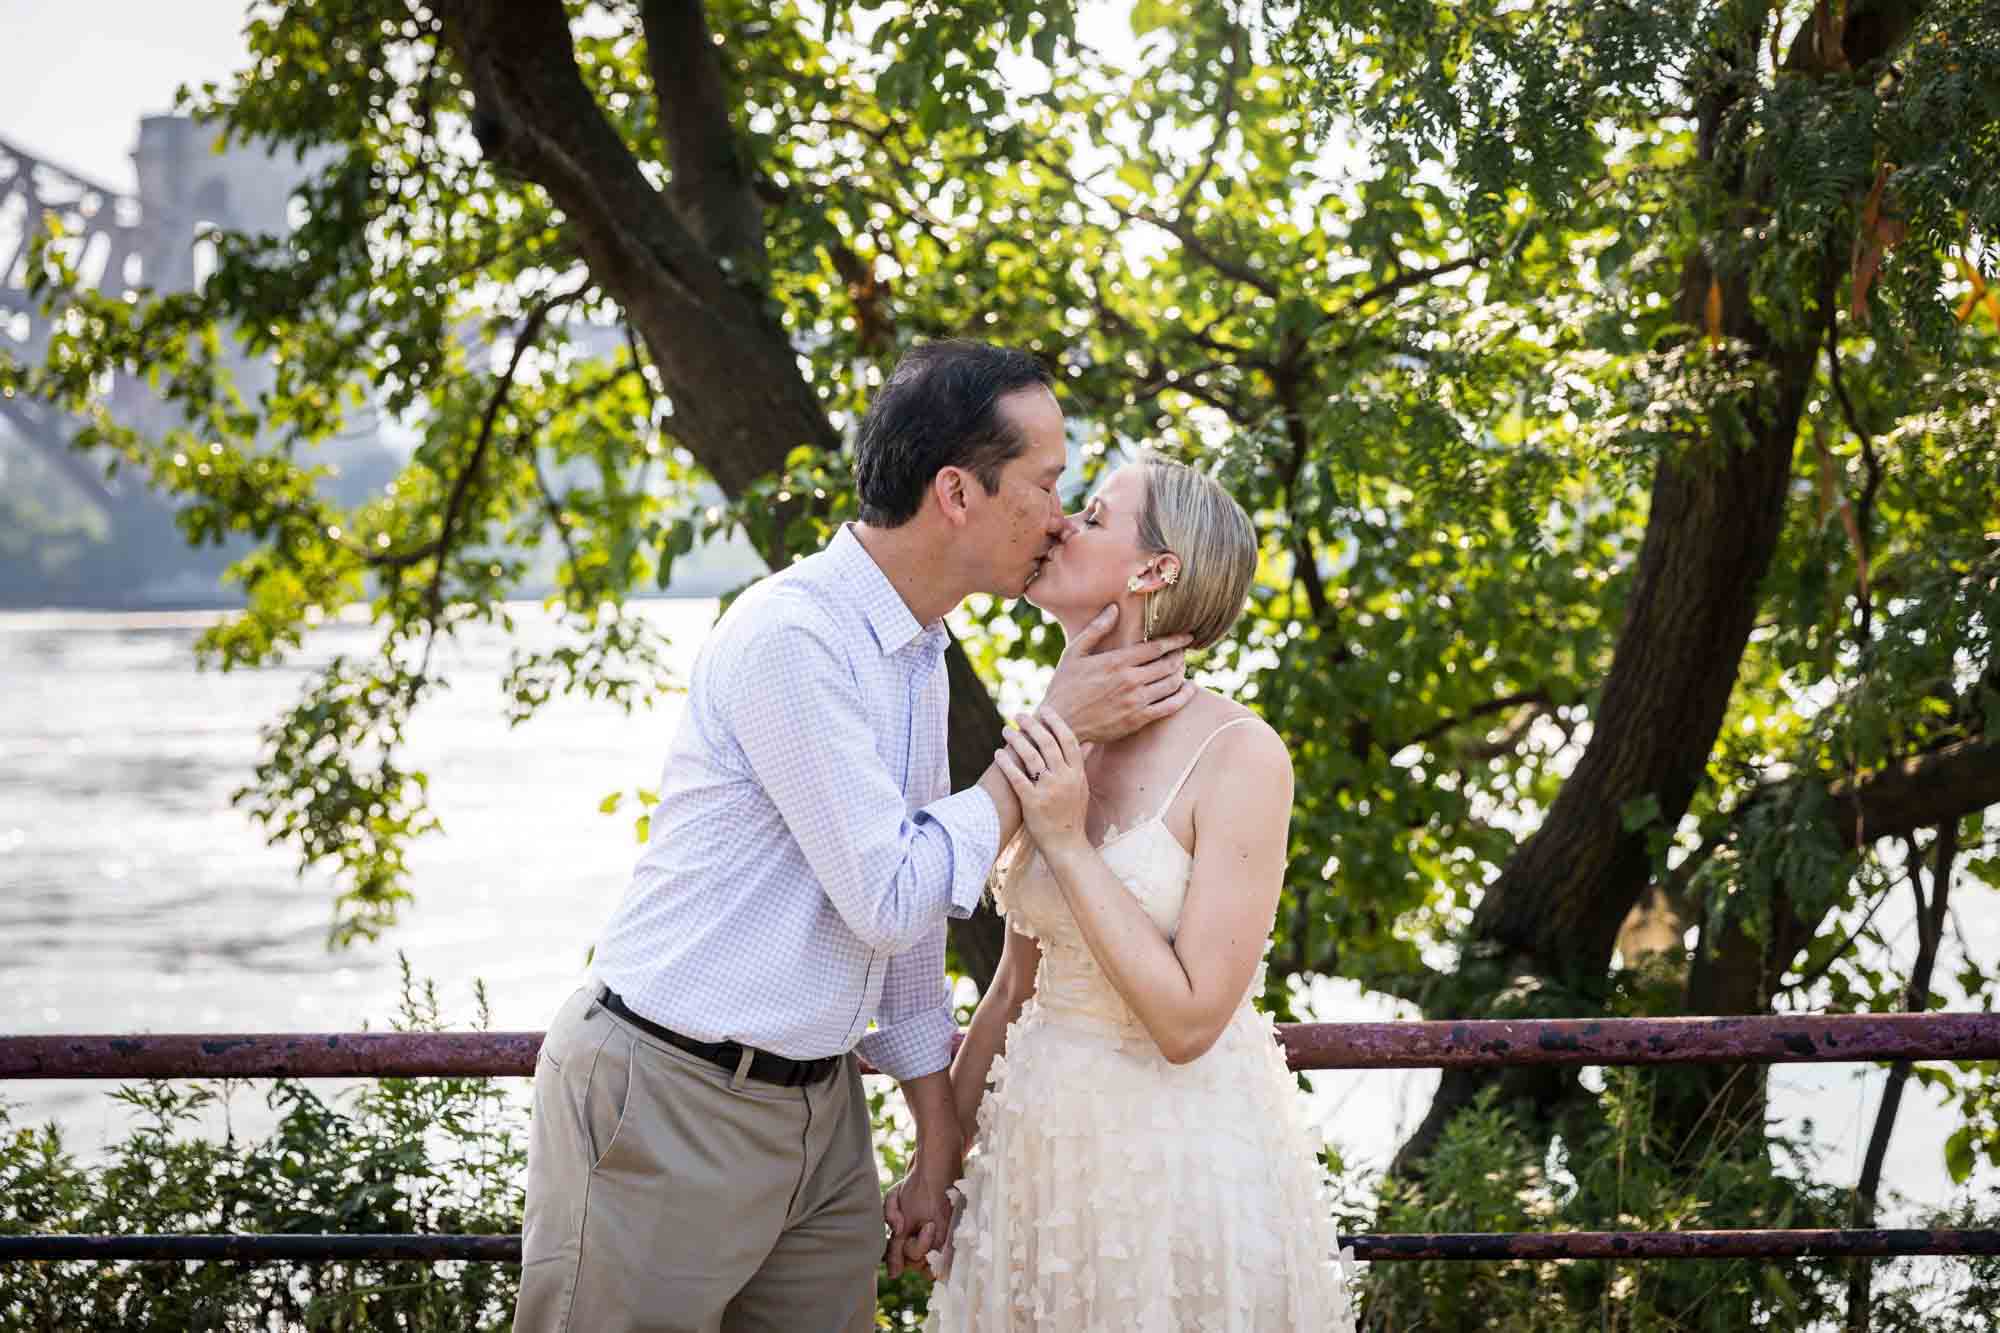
154, 237
122, 241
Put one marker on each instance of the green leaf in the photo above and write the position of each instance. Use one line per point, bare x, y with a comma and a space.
1958, 1154
1639, 812
1612, 258
1045, 43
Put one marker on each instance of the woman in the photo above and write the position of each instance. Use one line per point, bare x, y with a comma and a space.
1139, 1157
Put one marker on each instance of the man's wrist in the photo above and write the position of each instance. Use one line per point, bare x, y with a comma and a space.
935, 1175
1085, 733
1079, 719
940, 1147
939, 1156
1005, 807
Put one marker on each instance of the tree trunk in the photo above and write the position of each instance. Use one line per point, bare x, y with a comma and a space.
686, 266
975, 734
739, 402
1552, 917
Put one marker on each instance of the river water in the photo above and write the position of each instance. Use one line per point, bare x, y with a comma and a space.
135, 898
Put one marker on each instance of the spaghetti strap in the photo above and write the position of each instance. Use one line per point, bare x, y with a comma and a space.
1188, 772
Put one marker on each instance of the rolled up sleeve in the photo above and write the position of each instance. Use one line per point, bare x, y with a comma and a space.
893, 876
915, 1025
913, 1029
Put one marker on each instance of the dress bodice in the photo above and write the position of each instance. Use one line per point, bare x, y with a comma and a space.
1152, 865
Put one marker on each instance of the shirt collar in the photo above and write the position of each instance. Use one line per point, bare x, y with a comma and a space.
887, 614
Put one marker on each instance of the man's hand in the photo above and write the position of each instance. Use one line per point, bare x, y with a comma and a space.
918, 1211
1106, 695
918, 1207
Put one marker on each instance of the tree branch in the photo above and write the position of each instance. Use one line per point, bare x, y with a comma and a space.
1921, 791
1242, 356
875, 326
524, 338
1894, 801
1227, 266
740, 403
1415, 277
1239, 56
1304, 558
1511, 734
552, 506
1864, 507
1916, 999
1806, 982
712, 187
1538, 696
534, 115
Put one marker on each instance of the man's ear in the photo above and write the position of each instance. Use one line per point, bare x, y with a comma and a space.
951, 488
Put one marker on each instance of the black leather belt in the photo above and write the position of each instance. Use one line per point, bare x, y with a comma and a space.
765, 1067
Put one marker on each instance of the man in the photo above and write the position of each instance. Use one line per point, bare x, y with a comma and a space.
700, 1154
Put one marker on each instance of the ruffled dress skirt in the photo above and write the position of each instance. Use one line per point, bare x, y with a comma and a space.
1109, 1189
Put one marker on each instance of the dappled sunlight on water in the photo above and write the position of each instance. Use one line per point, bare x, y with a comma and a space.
134, 897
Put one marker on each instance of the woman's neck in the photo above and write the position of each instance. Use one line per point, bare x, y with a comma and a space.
1130, 629
1112, 758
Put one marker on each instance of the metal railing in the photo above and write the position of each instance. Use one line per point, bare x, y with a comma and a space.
1474, 1044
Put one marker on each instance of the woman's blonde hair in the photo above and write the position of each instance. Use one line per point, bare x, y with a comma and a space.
1188, 513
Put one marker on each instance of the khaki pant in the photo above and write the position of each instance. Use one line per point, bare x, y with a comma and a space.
665, 1194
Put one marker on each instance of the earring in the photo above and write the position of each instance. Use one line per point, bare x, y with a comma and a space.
1147, 634
1171, 575
1132, 584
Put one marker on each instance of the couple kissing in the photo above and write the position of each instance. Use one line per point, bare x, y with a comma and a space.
1117, 1143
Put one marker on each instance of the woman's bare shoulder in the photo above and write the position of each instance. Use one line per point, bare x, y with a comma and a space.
1246, 757
1259, 737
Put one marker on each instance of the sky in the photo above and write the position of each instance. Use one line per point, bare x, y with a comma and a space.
76, 75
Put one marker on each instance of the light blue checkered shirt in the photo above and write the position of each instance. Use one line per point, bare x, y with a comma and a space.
807, 848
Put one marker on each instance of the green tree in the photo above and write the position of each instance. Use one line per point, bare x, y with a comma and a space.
1803, 669
1790, 189
1607, 384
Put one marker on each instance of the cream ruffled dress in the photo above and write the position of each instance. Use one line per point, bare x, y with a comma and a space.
1111, 1190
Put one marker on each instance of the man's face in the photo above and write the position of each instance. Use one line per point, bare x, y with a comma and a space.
1021, 522
1101, 552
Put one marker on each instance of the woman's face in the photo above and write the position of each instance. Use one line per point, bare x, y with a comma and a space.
1090, 567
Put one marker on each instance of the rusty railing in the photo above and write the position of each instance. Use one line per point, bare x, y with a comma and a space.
1478, 1044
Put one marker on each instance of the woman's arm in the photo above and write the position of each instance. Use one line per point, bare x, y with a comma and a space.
986, 1035
1184, 991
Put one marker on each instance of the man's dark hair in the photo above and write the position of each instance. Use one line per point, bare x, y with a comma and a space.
938, 410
